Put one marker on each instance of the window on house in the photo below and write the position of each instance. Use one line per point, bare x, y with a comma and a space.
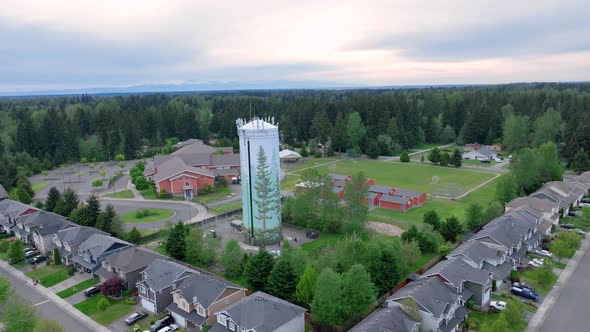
232, 326
173, 286
142, 289
221, 319
200, 311
187, 184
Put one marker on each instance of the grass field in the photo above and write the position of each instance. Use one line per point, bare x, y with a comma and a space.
146, 232
533, 277
233, 206
117, 309
77, 288
49, 275
290, 181
121, 194
155, 215
39, 185
325, 239
419, 177
306, 163
148, 193
219, 195
486, 319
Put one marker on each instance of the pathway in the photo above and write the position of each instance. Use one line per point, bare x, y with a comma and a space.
136, 193
567, 311
396, 158
74, 280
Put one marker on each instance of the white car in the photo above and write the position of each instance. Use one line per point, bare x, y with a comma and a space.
543, 253
498, 305
169, 328
584, 205
536, 262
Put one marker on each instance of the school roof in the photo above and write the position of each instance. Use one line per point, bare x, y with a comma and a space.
175, 166
379, 189
407, 193
394, 199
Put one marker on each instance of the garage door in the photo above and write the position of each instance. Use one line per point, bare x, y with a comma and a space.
148, 305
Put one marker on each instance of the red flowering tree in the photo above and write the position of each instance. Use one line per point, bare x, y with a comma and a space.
112, 287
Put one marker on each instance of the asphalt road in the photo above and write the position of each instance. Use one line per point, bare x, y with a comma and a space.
570, 311
183, 212
45, 308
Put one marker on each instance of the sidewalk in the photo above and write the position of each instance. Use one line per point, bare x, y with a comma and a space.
94, 326
539, 317
74, 280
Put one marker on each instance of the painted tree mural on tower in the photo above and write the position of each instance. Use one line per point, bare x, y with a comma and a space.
268, 199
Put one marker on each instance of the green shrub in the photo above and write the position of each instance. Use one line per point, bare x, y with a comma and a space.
4, 245
139, 214
71, 270
131, 301
102, 304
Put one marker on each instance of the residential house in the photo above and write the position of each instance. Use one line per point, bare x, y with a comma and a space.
157, 282
197, 297
439, 305
572, 194
260, 312
550, 196
549, 209
392, 319
10, 211
98, 246
471, 282
27, 224
472, 147
482, 154
490, 257
289, 156
398, 203
127, 265
68, 238
179, 179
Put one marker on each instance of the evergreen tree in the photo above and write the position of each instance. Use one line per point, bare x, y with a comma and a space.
23, 196
176, 242
339, 139
373, 150
581, 162
304, 153
404, 157
306, 286
93, 206
71, 202
320, 126
432, 218
494, 210
268, 200
434, 156
106, 219
56, 257
81, 216
474, 216
59, 207
384, 270
451, 228
444, 159
258, 269
134, 236
456, 158
52, 197
355, 129
5, 289
231, 259
355, 209
327, 307
360, 292
282, 280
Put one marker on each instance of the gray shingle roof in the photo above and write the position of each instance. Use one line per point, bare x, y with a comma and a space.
263, 312
3, 193
407, 193
41, 218
386, 320
97, 244
202, 288
76, 234
477, 251
456, 270
394, 199
507, 230
338, 177
192, 316
162, 273
430, 293
486, 151
500, 271
13, 209
174, 166
225, 160
132, 259
379, 189
541, 205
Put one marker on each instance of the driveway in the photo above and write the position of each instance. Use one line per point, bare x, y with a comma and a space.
119, 325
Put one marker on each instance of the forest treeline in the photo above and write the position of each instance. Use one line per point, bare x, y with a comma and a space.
41, 132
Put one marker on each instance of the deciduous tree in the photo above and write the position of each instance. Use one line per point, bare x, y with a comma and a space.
451, 228
360, 292
306, 286
231, 259
327, 307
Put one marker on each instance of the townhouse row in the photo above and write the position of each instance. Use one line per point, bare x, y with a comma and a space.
194, 298
470, 271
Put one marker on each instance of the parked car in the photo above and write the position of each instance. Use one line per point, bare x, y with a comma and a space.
162, 322
29, 249
312, 234
536, 262
486, 161
91, 291
33, 253
568, 226
169, 328
544, 253
135, 317
498, 305
584, 205
575, 213
581, 232
37, 260
586, 200
524, 292
524, 285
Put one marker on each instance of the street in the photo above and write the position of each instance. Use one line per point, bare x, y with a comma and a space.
46, 308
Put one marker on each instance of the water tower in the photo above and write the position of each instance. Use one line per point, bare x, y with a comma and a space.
260, 172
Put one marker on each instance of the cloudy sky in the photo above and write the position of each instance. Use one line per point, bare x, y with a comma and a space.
63, 44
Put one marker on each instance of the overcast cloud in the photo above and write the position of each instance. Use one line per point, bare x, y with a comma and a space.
58, 44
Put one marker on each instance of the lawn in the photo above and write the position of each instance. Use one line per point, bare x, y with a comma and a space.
532, 276
436, 180
121, 194
444, 207
219, 195
478, 163
290, 181
233, 206
483, 318
307, 163
37, 186
146, 232
148, 193
325, 239
49, 275
154, 215
77, 288
582, 222
117, 309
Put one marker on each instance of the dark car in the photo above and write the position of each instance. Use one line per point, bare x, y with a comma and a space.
585, 200
33, 253
162, 322
91, 291
312, 234
524, 285
37, 260
568, 226
135, 317
524, 292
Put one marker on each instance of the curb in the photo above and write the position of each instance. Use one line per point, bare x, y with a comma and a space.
94, 326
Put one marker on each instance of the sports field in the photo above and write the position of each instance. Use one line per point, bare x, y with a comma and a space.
434, 180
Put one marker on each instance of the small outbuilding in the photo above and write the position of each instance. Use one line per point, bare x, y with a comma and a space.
289, 156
